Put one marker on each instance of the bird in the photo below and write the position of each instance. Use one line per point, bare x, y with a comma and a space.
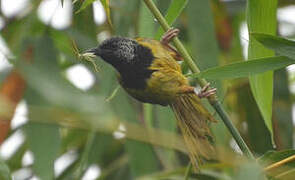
149, 71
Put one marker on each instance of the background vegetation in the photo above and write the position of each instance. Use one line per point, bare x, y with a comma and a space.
102, 128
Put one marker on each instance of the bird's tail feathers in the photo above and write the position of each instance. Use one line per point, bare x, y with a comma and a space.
193, 120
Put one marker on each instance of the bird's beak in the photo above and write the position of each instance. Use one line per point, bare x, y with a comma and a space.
91, 52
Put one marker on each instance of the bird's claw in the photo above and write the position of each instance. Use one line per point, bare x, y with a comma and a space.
204, 93
169, 35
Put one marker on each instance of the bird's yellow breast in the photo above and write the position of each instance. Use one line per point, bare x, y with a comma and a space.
163, 85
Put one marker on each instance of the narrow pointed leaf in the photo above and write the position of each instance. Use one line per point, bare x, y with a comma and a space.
245, 68
261, 17
280, 45
85, 4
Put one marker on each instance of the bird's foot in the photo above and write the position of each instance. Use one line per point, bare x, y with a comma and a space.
169, 35
205, 91
166, 39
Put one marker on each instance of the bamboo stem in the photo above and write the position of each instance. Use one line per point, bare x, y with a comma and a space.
202, 82
280, 163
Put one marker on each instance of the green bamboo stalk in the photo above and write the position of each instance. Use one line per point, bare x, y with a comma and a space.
202, 82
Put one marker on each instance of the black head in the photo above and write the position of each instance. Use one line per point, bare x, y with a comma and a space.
129, 58
117, 51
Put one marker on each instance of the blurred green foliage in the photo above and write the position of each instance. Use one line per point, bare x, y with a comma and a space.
64, 119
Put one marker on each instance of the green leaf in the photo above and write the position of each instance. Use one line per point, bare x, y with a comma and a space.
85, 4
79, 28
4, 171
245, 68
280, 45
44, 141
261, 17
174, 10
